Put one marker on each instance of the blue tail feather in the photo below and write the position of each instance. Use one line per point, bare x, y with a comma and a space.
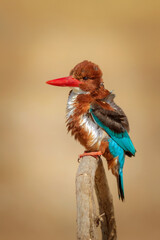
116, 150
120, 185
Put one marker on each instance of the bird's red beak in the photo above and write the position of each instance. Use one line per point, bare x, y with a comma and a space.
64, 82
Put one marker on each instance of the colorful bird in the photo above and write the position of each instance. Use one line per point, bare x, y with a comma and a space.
95, 120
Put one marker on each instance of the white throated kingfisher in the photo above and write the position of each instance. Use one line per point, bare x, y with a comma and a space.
95, 120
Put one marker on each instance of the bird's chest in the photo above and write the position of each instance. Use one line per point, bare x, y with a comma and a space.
82, 126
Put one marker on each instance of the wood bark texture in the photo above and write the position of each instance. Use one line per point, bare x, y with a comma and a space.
105, 201
91, 175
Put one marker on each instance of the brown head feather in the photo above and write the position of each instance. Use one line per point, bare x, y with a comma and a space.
89, 74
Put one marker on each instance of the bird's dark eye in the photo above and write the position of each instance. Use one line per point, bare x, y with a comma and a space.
85, 78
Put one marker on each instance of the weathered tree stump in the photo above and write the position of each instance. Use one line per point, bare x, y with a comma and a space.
90, 176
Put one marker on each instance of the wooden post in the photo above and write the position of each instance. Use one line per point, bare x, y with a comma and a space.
91, 175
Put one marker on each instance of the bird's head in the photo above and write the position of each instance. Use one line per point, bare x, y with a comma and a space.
86, 75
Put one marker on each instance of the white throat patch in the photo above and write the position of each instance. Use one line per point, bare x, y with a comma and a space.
85, 120
71, 100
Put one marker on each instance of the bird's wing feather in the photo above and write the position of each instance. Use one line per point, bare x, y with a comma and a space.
114, 123
118, 114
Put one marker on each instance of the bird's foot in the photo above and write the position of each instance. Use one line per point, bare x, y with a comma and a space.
93, 154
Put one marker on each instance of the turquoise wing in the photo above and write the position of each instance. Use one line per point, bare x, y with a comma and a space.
121, 138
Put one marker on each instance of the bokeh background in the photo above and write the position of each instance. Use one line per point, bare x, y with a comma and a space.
42, 40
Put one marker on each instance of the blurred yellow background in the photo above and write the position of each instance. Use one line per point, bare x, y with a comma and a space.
42, 40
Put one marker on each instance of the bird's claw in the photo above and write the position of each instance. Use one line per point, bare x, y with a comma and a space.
97, 155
